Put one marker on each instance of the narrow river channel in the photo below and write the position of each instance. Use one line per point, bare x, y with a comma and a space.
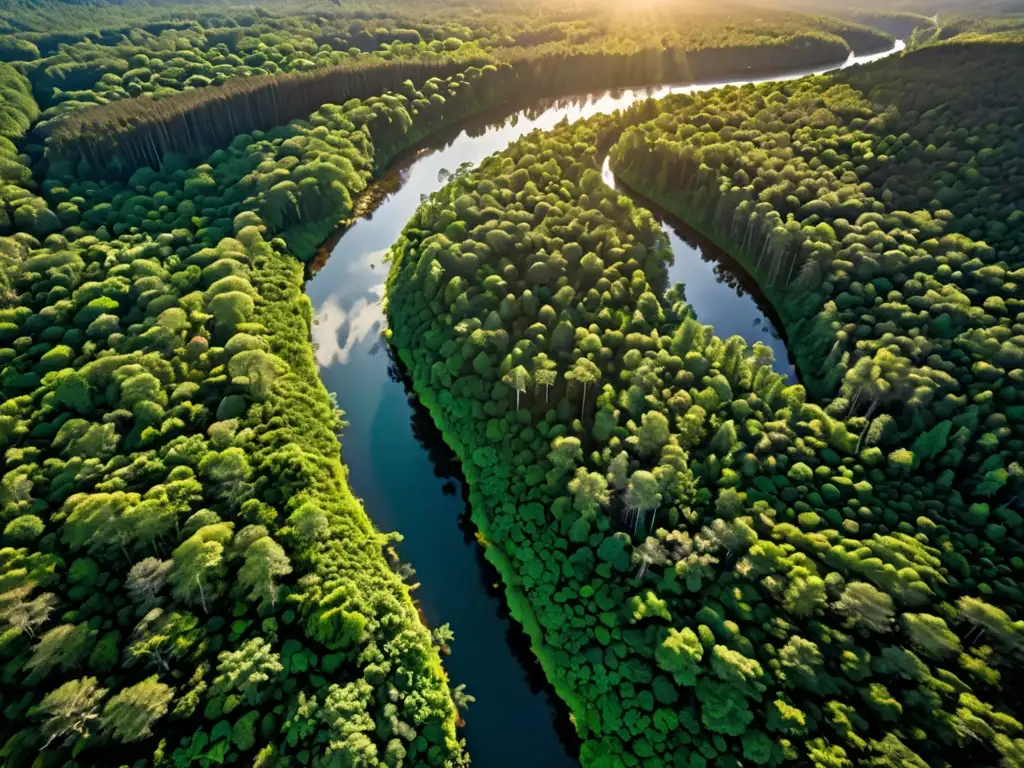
720, 292
409, 480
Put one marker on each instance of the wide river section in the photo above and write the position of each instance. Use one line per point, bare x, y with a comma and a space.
406, 476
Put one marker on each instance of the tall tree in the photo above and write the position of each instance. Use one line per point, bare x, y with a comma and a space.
585, 372
618, 471
643, 494
680, 653
199, 563
65, 646
25, 615
309, 524
71, 709
247, 670
930, 634
545, 373
152, 520
654, 433
145, 580
566, 453
100, 521
162, 636
265, 560
589, 490
650, 552
129, 715
865, 606
519, 379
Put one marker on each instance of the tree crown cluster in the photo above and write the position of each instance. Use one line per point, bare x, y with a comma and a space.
716, 568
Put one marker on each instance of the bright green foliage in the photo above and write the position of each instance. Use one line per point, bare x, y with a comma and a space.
71, 710
175, 516
265, 560
130, 714
162, 500
199, 564
247, 671
679, 654
821, 574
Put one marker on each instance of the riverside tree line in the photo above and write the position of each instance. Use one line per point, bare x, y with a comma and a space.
717, 568
184, 576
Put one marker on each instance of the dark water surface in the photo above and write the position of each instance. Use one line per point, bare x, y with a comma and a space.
719, 290
409, 480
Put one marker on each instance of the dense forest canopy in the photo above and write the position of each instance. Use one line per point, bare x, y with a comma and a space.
175, 481
719, 568
714, 567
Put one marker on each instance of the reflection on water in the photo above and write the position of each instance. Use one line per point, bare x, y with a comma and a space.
722, 294
720, 291
405, 474
336, 331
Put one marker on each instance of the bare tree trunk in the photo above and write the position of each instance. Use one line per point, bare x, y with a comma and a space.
792, 266
202, 595
863, 432
853, 403
871, 410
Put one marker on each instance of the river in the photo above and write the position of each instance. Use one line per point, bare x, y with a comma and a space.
410, 482
721, 293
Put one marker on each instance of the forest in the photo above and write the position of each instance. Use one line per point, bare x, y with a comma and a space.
713, 567
718, 568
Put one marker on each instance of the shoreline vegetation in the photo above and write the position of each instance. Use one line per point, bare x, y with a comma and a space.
778, 506
185, 576
124, 135
171, 227
730, 253
507, 106
351, 608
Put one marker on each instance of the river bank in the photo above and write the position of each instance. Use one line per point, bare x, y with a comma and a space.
407, 478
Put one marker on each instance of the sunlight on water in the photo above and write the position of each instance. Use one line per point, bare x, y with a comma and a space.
410, 480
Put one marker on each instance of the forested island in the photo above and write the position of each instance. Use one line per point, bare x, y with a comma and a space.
712, 566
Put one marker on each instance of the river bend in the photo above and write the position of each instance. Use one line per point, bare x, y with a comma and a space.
408, 479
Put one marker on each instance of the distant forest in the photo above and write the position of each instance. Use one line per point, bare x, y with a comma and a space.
714, 567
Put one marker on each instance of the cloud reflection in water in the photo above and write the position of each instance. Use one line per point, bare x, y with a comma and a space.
337, 331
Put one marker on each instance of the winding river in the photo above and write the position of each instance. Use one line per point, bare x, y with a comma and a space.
406, 476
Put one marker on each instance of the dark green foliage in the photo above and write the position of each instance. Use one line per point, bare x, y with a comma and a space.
123, 136
166, 509
299, 180
185, 577
806, 586
246, 83
897, 284
177, 528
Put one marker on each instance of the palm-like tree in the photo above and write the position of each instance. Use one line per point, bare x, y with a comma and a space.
643, 494
585, 372
519, 378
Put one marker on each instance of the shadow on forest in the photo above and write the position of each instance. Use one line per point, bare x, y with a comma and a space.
726, 269
446, 467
